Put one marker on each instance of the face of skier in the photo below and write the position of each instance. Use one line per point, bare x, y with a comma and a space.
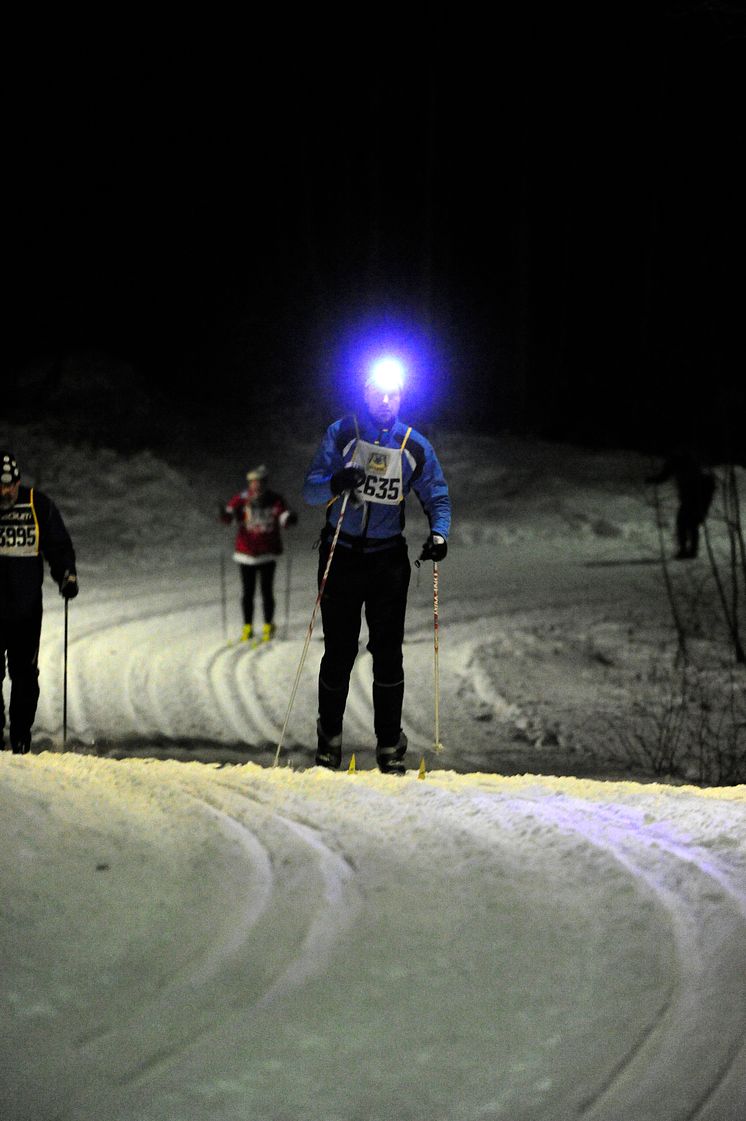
255, 487
8, 494
382, 404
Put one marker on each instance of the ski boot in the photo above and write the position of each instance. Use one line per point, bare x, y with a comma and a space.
391, 759
268, 632
329, 749
20, 745
246, 633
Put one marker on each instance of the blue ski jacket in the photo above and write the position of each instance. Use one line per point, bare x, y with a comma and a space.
370, 525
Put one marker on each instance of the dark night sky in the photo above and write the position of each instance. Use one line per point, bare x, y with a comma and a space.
559, 206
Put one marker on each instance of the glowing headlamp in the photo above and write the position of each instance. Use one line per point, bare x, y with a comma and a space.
386, 374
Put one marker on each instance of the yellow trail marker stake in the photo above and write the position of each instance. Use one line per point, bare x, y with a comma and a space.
352, 768
421, 772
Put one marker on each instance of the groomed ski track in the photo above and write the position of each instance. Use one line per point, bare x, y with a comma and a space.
310, 889
344, 929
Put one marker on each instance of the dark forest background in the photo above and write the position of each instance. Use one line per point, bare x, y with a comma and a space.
551, 206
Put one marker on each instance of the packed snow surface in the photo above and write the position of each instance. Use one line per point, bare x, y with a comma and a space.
191, 940
190, 932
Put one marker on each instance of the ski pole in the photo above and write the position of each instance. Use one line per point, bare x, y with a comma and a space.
437, 745
64, 683
288, 567
223, 595
322, 585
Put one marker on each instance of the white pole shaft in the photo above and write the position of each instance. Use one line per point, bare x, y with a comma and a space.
223, 610
64, 683
288, 569
438, 746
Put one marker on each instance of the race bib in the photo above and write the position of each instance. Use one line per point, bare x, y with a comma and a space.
383, 473
19, 532
259, 518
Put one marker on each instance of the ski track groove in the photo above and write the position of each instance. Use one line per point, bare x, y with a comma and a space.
80, 718
82, 723
197, 971
685, 881
310, 946
185, 663
686, 1002
667, 1038
475, 673
200, 675
487, 825
164, 705
226, 699
159, 699
242, 702
690, 949
667, 868
249, 688
639, 857
136, 689
338, 913
324, 924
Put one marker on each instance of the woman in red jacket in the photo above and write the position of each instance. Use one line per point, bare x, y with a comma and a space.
260, 514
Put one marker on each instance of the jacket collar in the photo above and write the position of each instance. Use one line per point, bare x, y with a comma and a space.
372, 433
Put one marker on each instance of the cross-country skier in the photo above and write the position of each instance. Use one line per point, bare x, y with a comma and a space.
31, 531
378, 459
696, 489
260, 514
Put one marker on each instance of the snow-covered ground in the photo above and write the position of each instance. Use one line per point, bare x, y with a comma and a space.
531, 930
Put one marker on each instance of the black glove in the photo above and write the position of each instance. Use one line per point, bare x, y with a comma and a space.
292, 518
435, 548
349, 478
69, 586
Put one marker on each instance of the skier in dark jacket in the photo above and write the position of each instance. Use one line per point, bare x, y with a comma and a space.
31, 530
378, 460
695, 489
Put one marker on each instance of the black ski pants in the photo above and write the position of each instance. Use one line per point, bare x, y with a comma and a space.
266, 584
687, 530
378, 582
19, 641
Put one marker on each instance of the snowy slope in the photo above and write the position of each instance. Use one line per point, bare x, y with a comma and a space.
189, 932
189, 941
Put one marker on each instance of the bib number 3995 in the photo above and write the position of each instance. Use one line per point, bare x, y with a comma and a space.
17, 540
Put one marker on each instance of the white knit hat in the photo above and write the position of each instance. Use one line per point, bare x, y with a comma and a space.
257, 473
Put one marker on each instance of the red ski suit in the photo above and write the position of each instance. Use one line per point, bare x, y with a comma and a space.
260, 520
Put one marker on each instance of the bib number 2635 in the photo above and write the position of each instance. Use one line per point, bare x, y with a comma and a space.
382, 488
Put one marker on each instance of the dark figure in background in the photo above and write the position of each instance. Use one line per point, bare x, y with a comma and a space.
260, 514
377, 459
31, 530
695, 490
